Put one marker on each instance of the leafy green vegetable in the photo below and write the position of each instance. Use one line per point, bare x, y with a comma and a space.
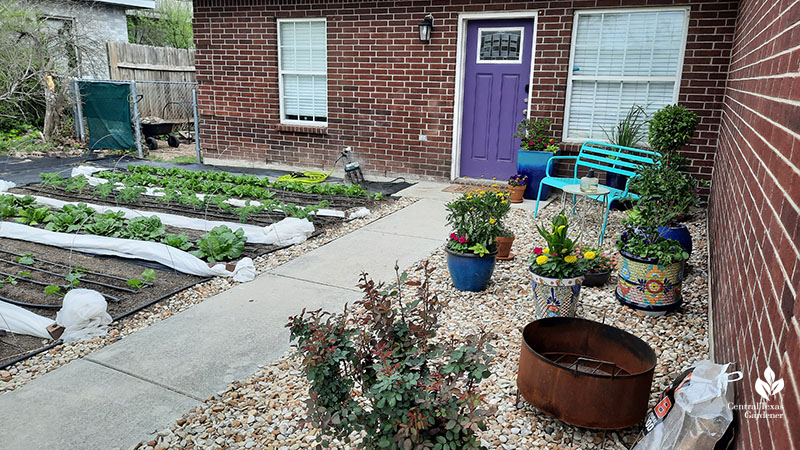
108, 224
52, 290
179, 241
76, 184
220, 244
135, 283
33, 216
149, 275
8, 280
104, 190
52, 179
70, 218
130, 194
143, 229
23, 273
25, 260
74, 277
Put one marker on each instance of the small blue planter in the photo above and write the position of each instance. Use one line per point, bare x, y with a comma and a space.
469, 271
680, 234
534, 165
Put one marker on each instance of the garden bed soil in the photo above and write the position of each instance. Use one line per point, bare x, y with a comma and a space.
211, 212
112, 271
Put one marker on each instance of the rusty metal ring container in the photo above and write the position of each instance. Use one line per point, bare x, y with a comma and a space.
585, 373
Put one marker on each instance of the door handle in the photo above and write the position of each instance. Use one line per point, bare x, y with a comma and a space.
527, 86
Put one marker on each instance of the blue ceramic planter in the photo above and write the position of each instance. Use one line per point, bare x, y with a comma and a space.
469, 271
680, 234
534, 165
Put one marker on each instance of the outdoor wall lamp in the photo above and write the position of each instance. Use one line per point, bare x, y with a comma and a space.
425, 28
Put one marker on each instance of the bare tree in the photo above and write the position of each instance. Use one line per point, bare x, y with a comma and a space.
39, 54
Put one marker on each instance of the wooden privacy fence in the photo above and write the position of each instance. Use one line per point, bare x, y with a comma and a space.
151, 67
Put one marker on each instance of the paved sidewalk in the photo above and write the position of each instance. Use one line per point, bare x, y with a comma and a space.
127, 391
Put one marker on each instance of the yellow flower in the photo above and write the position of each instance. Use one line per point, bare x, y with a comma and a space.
589, 255
541, 259
547, 250
570, 259
560, 228
492, 220
563, 250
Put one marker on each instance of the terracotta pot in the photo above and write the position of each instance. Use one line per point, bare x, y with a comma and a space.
504, 247
516, 193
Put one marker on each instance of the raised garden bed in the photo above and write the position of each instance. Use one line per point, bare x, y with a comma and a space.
113, 273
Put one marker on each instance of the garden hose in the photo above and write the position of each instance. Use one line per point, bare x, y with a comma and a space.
308, 176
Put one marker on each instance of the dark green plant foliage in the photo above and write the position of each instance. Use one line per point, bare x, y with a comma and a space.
108, 224
382, 371
130, 194
534, 135
32, 215
69, 219
143, 229
220, 244
74, 277
104, 190
478, 217
76, 184
671, 128
630, 130
179, 241
52, 179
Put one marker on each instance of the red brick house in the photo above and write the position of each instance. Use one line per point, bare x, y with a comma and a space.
294, 82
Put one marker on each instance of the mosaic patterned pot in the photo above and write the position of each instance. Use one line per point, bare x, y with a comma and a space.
555, 297
646, 285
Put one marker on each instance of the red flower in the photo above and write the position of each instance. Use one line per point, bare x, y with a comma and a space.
462, 239
538, 250
530, 143
539, 140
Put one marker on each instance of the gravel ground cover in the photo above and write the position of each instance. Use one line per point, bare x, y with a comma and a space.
267, 410
21, 373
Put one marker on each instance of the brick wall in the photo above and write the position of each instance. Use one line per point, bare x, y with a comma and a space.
754, 226
386, 88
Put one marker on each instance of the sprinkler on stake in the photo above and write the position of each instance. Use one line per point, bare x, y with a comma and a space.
352, 168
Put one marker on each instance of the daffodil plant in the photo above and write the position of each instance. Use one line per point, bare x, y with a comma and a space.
476, 219
560, 259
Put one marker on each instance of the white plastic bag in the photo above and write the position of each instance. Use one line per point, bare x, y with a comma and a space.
83, 315
693, 412
289, 231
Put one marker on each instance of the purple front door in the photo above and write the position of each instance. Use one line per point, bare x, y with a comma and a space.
497, 73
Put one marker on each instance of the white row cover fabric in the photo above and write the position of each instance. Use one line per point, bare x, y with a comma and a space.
6, 185
21, 321
128, 248
159, 192
83, 315
288, 231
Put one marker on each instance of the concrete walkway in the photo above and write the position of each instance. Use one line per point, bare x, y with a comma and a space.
127, 391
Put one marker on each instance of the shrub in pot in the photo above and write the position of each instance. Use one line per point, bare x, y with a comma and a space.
476, 220
557, 271
671, 128
535, 150
651, 267
516, 187
379, 369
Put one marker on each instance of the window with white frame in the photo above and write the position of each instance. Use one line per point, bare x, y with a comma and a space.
621, 58
303, 64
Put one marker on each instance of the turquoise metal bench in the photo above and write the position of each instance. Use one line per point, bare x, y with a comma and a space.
604, 157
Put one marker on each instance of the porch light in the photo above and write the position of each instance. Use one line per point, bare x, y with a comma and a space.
425, 28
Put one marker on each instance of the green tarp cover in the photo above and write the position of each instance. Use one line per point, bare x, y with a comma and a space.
108, 115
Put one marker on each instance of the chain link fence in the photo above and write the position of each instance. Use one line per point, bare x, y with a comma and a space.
140, 115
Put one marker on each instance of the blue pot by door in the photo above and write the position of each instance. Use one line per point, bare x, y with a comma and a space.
534, 165
496, 85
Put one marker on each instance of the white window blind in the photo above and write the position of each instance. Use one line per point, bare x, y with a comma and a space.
620, 59
302, 60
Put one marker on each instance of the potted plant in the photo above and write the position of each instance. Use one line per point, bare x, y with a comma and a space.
651, 267
516, 187
669, 192
504, 243
599, 266
536, 149
627, 133
476, 220
557, 272
671, 128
